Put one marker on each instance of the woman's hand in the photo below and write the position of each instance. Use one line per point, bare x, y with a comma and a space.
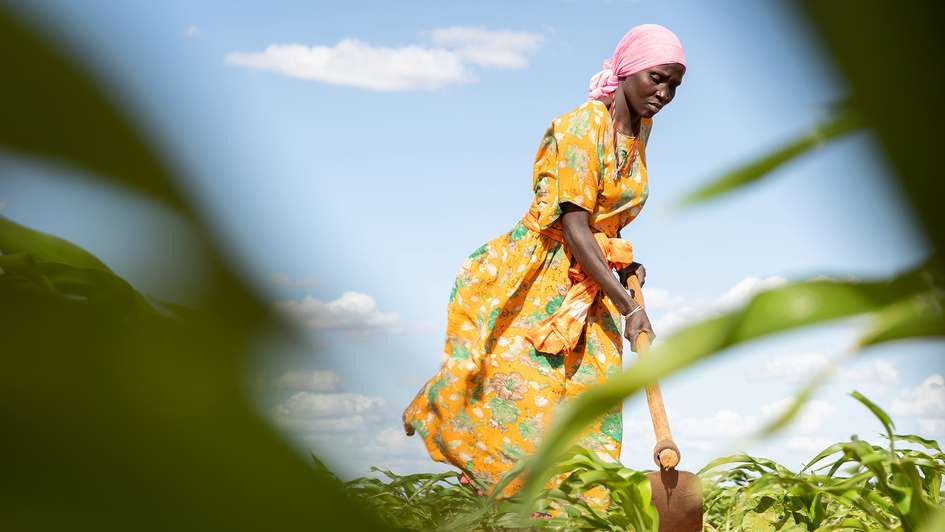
634, 268
637, 323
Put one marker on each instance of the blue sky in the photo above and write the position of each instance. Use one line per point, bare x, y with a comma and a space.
352, 192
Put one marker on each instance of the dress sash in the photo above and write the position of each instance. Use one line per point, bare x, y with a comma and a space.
561, 331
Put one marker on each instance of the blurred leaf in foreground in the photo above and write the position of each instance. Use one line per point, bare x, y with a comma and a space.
844, 121
117, 416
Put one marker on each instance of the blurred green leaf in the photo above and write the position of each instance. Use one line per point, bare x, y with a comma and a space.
936, 522
905, 118
914, 317
844, 121
117, 417
114, 412
64, 269
52, 108
15, 238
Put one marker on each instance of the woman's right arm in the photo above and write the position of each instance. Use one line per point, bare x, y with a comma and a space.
581, 242
577, 234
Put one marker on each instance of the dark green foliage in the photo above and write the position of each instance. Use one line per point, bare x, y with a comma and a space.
119, 412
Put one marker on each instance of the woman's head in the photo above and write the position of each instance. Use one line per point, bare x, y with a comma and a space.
649, 90
647, 66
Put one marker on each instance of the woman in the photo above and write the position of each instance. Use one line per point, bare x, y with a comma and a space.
534, 314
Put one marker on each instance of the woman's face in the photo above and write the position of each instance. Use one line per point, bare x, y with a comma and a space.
651, 89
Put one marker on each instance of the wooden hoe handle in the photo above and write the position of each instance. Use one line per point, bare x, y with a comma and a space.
665, 453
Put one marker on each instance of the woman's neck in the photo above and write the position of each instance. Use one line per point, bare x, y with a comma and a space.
624, 120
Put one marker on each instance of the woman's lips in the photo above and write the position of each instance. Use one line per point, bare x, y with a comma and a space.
654, 107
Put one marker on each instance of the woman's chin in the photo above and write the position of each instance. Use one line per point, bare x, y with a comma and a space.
649, 111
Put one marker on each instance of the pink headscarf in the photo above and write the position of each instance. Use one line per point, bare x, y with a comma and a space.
642, 47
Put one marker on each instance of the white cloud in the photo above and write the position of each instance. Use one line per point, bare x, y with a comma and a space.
793, 367
283, 279
192, 31
679, 312
810, 444
884, 371
723, 423
314, 426
395, 441
429, 326
877, 377
926, 399
726, 424
307, 405
355, 63
810, 419
659, 299
350, 445
747, 287
931, 426
872, 377
352, 311
674, 319
326, 415
489, 48
314, 381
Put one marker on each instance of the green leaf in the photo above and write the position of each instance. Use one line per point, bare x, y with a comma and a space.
931, 444
919, 316
879, 413
52, 107
843, 122
114, 415
15, 238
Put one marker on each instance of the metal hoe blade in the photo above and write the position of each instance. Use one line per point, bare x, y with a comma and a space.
677, 496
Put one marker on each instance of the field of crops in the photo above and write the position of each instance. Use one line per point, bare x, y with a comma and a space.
850, 485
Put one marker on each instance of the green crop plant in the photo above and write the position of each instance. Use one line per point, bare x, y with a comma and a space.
848, 486
883, 488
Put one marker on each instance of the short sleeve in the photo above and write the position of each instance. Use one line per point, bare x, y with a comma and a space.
577, 163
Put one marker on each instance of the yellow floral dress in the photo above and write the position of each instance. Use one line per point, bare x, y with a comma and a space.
495, 394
